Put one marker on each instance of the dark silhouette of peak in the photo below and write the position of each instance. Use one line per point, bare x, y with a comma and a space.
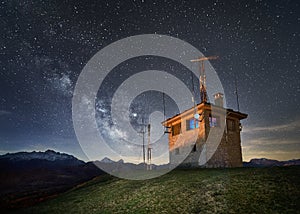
107, 160
30, 177
264, 162
37, 160
121, 161
294, 162
48, 155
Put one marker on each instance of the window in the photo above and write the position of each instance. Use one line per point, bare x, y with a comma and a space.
176, 129
231, 125
190, 124
213, 121
177, 151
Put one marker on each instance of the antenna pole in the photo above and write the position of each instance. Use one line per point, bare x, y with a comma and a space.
237, 95
149, 167
194, 101
164, 106
143, 132
143, 135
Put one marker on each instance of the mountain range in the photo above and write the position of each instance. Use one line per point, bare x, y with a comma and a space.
264, 162
48, 155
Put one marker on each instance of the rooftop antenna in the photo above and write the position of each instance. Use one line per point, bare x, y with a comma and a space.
164, 106
236, 93
193, 97
196, 115
203, 92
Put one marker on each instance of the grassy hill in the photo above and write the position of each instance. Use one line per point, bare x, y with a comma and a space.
242, 190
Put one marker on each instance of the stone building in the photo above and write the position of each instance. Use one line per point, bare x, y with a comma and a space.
207, 135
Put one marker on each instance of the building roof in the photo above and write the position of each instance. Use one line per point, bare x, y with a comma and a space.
237, 114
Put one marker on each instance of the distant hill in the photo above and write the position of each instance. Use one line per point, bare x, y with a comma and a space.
264, 162
121, 166
30, 177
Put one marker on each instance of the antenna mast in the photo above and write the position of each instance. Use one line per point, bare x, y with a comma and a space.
164, 106
203, 92
143, 132
143, 135
149, 167
237, 95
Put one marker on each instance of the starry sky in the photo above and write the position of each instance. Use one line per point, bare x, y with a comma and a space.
44, 45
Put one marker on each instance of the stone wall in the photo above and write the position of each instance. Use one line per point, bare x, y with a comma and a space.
226, 154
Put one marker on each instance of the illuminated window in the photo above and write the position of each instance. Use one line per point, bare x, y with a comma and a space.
190, 124
176, 129
213, 121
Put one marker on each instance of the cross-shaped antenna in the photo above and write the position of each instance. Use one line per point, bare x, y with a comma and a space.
202, 77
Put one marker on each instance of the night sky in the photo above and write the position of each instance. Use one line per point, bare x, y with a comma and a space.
44, 45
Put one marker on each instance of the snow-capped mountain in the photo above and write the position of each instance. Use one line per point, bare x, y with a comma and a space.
48, 155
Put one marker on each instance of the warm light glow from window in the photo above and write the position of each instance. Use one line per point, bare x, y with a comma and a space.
191, 124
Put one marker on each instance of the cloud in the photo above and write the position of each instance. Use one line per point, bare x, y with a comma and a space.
274, 128
269, 141
281, 142
274, 154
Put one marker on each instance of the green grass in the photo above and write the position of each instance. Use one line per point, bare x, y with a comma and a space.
243, 190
